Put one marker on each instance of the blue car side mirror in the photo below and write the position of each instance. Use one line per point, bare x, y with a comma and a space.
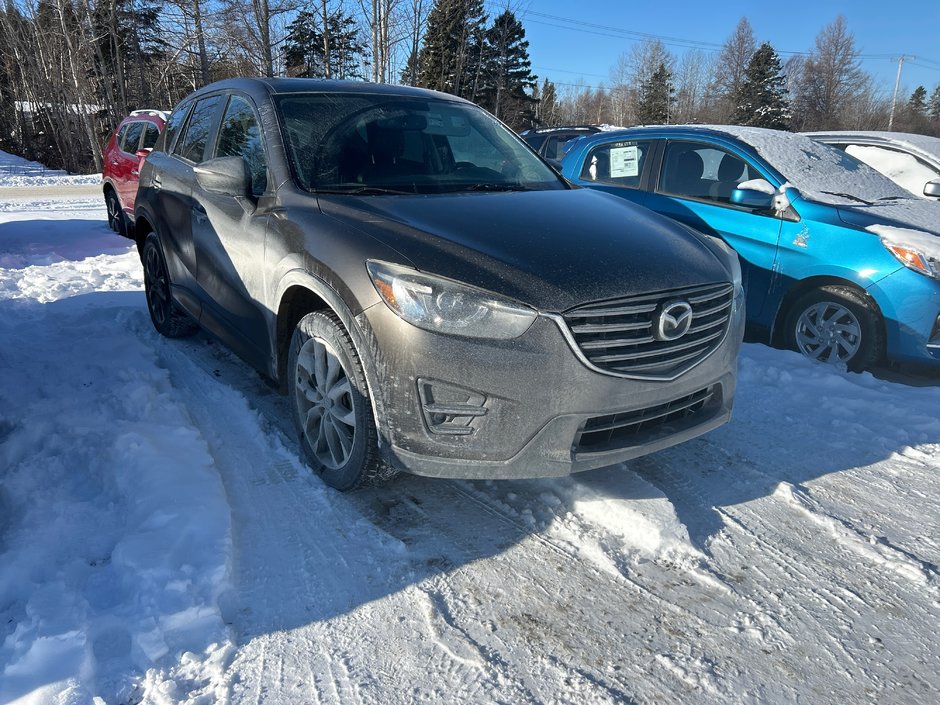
752, 198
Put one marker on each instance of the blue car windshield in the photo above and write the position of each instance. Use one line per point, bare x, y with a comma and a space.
378, 144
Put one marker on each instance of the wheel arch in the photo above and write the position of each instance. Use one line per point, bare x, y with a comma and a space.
804, 286
300, 293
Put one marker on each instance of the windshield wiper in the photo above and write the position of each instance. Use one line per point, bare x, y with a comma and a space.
365, 191
893, 198
493, 186
848, 196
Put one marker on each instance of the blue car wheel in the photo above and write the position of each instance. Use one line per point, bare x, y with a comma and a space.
836, 324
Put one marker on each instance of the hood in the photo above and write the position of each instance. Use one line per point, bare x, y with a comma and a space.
907, 213
549, 249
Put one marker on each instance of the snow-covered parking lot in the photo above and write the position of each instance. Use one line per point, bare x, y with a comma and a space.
161, 542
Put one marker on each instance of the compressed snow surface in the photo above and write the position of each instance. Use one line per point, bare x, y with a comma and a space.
162, 543
16, 171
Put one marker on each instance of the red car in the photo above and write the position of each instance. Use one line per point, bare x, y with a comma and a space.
123, 154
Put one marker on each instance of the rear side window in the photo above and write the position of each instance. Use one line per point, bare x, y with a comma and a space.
174, 124
132, 137
192, 145
151, 133
119, 140
617, 163
240, 136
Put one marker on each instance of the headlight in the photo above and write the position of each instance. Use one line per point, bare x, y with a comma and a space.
445, 306
915, 257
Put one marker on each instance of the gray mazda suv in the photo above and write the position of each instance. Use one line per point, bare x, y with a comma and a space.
429, 293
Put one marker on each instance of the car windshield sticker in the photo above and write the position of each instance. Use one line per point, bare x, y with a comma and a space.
624, 161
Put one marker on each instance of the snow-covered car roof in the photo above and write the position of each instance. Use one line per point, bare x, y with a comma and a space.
923, 145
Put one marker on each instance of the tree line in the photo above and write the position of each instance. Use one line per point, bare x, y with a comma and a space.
745, 83
70, 70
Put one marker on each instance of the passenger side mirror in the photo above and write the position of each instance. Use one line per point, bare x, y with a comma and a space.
225, 175
756, 193
932, 188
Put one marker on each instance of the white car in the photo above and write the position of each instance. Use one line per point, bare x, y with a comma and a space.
911, 161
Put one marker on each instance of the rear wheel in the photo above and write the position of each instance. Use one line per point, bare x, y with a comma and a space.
116, 220
330, 404
838, 325
167, 317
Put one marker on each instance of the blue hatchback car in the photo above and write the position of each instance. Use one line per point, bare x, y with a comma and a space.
839, 262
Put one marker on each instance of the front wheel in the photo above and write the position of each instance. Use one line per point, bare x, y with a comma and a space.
330, 404
836, 324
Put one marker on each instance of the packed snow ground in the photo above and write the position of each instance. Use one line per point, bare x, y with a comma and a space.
16, 171
161, 542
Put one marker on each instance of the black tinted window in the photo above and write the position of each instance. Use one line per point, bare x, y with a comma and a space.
617, 163
174, 124
132, 137
703, 171
192, 144
151, 133
240, 136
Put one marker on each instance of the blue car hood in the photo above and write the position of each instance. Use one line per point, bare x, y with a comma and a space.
912, 214
551, 249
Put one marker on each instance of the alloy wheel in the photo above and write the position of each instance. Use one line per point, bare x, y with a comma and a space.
325, 403
158, 285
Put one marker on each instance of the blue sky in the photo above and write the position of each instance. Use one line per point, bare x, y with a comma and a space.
564, 51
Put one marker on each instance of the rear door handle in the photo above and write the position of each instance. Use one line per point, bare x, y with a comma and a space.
134, 172
155, 182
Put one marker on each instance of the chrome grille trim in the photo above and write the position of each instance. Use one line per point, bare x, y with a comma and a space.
606, 345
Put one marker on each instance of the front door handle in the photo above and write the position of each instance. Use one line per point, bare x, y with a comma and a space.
155, 182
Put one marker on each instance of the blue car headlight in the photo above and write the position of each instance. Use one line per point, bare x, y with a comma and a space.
917, 255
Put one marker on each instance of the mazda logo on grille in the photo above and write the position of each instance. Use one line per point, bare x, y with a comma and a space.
673, 320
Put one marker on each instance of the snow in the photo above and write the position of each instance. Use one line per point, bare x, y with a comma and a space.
161, 541
901, 168
16, 171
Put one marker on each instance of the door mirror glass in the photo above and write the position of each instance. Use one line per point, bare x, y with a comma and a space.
932, 188
225, 175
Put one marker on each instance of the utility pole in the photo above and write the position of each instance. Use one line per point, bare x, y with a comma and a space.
897, 84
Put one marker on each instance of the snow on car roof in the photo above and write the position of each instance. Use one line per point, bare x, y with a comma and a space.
929, 146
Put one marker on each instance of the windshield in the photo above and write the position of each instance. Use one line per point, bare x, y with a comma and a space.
377, 144
820, 172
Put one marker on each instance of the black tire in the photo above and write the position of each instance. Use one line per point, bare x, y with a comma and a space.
330, 405
116, 219
168, 318
837, 324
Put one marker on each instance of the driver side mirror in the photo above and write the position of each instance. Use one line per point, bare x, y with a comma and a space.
756, 193
225, 175
932, 188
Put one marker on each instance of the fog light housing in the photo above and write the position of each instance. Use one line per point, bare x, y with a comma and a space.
448, 409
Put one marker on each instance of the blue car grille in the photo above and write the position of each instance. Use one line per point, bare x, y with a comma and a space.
619, 336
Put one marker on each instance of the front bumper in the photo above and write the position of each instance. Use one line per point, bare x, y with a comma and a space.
523, 408
910, 305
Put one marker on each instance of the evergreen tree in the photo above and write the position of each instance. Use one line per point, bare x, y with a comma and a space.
918, 102
506, 73
935, 104
763, 92
656, 97
548, 104
451, 58
304, 51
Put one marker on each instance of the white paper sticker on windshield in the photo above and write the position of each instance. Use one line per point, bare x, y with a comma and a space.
624, 161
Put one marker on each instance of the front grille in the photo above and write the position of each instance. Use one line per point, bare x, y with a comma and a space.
634, 427
619, 336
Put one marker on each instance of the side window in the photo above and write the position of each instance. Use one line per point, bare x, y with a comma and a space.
240, 136
704, 172
132, 137
151, 133
617, 163
119, 140
192, 144
173, 126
